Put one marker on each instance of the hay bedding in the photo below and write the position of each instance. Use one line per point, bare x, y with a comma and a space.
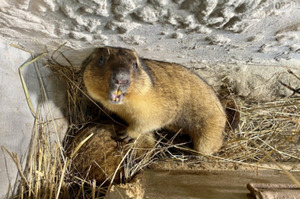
274, 126
267, 131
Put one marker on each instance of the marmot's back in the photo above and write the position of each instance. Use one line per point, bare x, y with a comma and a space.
176, 83
150, 95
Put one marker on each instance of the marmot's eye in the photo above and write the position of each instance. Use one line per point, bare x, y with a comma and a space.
135, 65
101, 60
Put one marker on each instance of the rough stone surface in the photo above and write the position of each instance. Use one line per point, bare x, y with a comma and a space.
212, 31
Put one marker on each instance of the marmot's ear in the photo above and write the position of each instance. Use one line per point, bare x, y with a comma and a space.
105, 52
108, 51
135, 54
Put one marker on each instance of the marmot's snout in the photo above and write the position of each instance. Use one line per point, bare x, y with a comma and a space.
119, 83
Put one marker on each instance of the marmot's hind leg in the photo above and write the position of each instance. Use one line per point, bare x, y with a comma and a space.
209, 140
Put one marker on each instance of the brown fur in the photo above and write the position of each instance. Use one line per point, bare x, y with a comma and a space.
159, 95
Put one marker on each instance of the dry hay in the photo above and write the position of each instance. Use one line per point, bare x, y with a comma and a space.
273, 126
266, 131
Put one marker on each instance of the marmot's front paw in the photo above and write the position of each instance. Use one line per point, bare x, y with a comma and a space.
124, 137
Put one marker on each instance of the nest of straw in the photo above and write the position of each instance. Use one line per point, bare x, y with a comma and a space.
267, 131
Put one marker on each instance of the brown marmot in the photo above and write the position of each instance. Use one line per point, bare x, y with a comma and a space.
150, 95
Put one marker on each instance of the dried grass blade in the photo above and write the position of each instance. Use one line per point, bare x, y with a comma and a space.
289, 175
94, 189
63, 172
80, 145
25, 88
15, 159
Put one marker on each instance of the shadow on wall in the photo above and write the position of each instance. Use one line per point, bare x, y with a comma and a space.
16, 119
48, 95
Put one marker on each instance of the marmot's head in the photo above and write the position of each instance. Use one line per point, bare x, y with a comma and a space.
113, 74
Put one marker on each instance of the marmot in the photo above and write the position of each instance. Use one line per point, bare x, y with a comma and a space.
150, 95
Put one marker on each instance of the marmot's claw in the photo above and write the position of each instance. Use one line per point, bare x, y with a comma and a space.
123, 137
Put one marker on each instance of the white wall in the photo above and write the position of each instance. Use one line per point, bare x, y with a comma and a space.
16, 120
185, 31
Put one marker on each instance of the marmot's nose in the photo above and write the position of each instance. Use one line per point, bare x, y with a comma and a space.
120, 77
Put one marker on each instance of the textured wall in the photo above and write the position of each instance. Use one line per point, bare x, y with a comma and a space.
185, 31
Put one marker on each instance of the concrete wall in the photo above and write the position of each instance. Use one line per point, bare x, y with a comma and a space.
16, 121
185, 31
